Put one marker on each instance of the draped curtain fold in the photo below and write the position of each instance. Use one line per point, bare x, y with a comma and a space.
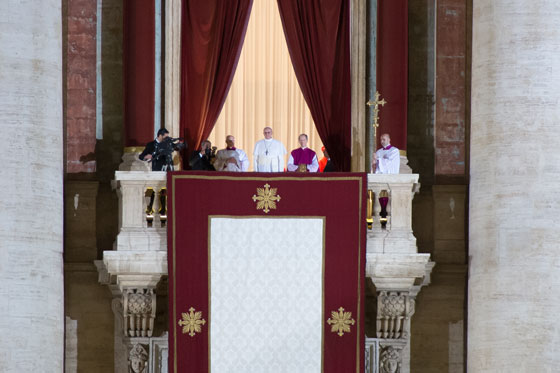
318, 37
212, 36
138, 71
265, 90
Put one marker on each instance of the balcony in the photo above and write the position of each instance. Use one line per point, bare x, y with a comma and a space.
138, 263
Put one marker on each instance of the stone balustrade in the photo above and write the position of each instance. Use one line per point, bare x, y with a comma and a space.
396, 269
396, 236
139, 229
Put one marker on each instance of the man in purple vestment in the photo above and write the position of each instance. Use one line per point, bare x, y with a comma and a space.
303, 156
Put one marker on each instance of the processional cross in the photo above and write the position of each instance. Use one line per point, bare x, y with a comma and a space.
375, 116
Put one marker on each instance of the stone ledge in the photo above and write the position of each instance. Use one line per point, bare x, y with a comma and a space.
135, 263
402, 272
141, 176
393, 178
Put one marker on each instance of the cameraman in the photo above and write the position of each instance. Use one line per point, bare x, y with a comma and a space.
149, 151
203, 159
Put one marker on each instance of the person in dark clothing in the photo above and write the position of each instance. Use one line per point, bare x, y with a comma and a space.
329, 166
149, 151
325, 163
202, 159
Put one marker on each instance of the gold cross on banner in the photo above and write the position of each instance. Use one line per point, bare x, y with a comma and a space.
375, 117
267, 198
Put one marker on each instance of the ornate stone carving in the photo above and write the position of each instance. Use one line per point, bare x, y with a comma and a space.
139, 312
138, 359
390, 360
394, 310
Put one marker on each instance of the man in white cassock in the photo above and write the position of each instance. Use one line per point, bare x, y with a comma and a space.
231, 158
386, 160
269, 154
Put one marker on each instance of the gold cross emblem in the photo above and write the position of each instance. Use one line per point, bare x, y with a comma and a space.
375, 105
266, 198
192, 322
341, 321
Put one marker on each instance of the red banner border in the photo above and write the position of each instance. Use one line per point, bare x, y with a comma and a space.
360, 177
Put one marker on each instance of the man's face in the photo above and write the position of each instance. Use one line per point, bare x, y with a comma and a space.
206, 145
303, 141
267, 132
385, 140
230, 141
162, 137
136, 365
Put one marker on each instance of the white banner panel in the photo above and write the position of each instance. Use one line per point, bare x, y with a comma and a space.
266, 294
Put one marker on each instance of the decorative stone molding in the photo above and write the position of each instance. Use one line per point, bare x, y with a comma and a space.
372, 355
399, 272
139, 306
386, 355
394, 310
134, 299
138, 359
145, 355
159, 354
390, 360
135, 311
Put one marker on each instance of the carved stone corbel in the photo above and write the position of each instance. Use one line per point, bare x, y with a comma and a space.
394, 310
139, 312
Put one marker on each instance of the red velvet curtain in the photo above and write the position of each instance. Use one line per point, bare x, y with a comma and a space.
318, 37
392, 69
211, 40
139, 71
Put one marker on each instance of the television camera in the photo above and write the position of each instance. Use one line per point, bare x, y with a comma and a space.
163, 152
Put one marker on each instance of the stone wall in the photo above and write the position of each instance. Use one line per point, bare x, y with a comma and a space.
80, 38
439, 96
452, 77
91, 217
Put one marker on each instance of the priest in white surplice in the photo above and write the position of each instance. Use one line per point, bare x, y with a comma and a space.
231, 158
269, 154
386, 160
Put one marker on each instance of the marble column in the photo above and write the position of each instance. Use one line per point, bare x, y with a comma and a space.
31, 273
358, 53
172, 68
514, 274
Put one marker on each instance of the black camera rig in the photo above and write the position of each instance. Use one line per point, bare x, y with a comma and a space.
163, 152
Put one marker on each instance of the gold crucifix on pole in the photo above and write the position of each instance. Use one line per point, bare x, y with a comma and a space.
375, 116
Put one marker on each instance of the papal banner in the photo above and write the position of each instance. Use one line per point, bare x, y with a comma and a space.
266, 272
